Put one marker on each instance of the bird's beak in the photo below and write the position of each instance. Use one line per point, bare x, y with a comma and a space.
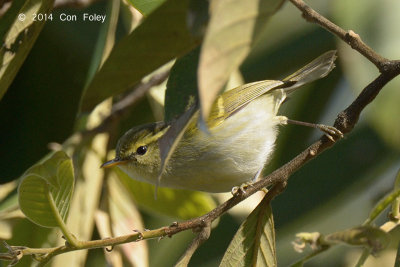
112, 162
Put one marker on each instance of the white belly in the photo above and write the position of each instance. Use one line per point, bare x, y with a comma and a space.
234, 152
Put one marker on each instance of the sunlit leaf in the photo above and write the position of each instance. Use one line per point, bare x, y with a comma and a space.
46, 189
5, 229
6, 189
146, 6
233, 28
8, 197
20, 37
126, 218
161, 37
174, 203
254, 242
131, 17
114, 257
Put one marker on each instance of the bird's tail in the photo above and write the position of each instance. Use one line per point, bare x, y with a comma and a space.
316, 69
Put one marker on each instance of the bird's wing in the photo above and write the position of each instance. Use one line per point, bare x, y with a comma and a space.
235, 99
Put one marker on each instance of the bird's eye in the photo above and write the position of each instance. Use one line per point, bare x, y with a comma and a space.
141, 150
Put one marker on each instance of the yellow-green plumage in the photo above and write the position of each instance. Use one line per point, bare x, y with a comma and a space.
242, 130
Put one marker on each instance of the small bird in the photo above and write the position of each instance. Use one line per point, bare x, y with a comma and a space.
242, 129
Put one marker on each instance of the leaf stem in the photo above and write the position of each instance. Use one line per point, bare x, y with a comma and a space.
71, 239
310, 256
391, 198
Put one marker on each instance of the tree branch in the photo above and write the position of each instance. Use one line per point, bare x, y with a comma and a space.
43, 255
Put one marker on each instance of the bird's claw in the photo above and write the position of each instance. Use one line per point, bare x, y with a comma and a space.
241, 189
330, 131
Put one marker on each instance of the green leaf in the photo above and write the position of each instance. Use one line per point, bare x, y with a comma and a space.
46, 189
232, 31
254, 242
182, 85
146, 6
163, 36
181, 204
105, 40
20, 37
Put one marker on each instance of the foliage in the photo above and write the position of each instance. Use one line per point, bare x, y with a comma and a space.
45, 190
254, 242
64, 85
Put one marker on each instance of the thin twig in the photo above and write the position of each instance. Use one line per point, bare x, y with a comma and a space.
202, 236
48, 253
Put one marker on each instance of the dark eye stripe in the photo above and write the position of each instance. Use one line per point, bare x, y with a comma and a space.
141, 150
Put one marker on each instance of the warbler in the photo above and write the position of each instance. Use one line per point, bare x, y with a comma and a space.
242, 129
